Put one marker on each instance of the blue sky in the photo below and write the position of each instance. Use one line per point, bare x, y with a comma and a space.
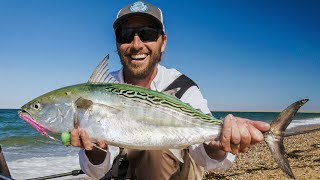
244, 55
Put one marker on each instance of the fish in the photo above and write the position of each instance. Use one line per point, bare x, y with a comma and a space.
134, 117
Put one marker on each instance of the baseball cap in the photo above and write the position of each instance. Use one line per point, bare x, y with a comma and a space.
140, 8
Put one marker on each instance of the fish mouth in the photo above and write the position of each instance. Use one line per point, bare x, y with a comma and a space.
25, 115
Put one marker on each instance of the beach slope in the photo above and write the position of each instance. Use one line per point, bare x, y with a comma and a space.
303, 153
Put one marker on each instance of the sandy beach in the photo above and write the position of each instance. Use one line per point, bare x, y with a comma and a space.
303, 153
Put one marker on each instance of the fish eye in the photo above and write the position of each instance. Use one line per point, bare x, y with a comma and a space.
36, 106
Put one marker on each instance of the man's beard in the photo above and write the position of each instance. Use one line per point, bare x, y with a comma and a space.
137, 71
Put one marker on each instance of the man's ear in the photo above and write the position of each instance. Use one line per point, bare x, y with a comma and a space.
164, 43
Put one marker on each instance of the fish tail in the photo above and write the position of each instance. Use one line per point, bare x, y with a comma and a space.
274, 137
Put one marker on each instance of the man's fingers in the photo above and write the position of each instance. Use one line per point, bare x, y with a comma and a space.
235, 139
256, 135
226, 133
80, 138
261, 126
75, 138
86, 142
238, 134
235, 133
241, 137
101, 144
245, 137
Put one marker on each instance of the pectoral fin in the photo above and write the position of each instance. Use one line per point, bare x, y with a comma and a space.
83, 103
86, 104
86, 108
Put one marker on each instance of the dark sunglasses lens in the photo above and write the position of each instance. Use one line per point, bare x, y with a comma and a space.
124, 35
147, 34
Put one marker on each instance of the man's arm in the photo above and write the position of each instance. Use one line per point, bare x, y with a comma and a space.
237, 135
241, 132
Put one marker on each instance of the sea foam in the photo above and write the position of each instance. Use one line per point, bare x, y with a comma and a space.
44, 166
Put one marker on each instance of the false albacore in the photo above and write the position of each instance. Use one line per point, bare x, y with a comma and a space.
134, 117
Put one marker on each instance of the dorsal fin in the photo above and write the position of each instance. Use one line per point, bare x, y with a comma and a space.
101, 73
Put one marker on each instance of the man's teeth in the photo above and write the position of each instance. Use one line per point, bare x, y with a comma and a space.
138, 56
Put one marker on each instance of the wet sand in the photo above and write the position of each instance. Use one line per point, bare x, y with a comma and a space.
303, 153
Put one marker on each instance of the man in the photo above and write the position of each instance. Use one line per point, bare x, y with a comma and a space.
141, 40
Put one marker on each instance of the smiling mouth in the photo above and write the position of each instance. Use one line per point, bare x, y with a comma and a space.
23, 114
138, 56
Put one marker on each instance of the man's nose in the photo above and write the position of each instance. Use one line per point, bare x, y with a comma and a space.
137, 43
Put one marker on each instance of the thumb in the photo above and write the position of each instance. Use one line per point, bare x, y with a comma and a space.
101, 144
261, 126
216, 144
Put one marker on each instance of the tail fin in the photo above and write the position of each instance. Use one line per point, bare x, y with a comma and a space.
274, 137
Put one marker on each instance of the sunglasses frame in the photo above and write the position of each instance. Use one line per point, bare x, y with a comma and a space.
131, 32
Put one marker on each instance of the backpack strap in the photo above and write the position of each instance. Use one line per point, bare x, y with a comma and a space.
183, 82
119, 167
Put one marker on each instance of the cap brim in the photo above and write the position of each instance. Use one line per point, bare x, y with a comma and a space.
120, 19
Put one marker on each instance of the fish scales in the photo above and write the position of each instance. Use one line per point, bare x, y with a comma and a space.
119, 113
152, 125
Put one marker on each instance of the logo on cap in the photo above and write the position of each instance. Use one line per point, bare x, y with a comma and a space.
139, 7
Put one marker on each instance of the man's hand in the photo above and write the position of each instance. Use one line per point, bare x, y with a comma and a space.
80, 138
236, 136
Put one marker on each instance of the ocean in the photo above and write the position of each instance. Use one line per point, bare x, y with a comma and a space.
30, 155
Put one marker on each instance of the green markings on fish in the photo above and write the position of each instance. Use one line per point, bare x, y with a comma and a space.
158, 99
134, 117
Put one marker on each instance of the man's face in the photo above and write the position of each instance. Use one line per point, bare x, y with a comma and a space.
139, 58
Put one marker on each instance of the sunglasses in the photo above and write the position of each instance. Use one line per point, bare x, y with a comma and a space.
146, 34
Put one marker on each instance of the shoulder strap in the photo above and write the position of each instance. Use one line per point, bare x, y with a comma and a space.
119, 167
183, 82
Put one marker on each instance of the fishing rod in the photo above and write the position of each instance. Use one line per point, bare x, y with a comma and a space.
5, 177
72, 173
5, 173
